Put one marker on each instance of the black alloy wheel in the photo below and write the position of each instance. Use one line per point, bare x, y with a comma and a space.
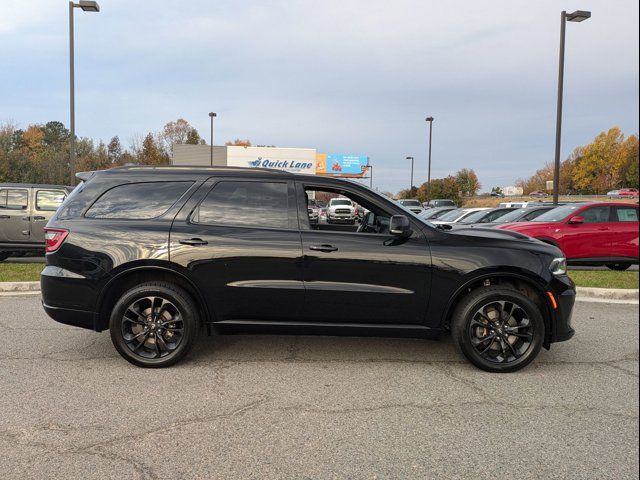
153, 325
498, 329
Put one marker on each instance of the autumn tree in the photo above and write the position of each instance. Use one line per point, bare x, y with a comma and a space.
114, 150
150, 153
468, 183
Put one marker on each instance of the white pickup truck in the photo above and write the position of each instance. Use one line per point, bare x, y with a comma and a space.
341, 210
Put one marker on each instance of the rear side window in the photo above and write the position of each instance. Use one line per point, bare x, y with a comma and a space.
13, 199
49, 200
264, 204
626, 214
138, 201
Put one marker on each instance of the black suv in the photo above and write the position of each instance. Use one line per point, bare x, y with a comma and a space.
154, 253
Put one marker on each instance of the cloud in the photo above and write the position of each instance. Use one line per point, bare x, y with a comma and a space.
341, 76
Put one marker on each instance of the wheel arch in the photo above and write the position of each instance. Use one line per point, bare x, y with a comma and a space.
130, 277
530, 286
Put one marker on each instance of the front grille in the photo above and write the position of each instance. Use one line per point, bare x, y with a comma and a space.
343, 210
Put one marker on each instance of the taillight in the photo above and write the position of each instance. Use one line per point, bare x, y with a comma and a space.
54, 237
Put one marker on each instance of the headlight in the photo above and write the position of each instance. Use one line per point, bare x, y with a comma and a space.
558, 266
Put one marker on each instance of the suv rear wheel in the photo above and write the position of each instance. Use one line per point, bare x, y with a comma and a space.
498, 329
154, 324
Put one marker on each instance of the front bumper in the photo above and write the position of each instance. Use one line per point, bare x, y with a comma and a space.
564, 291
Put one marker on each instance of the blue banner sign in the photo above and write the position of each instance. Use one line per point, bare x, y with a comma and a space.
341, 163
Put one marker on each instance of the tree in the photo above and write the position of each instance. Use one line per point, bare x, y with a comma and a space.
497, 190
193, 138
440, 188
179, 131
114, 150
239, 142
150, 153
468, 183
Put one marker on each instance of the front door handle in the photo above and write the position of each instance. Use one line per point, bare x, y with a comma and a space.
193, 241
39, 217
3, 217
323, 248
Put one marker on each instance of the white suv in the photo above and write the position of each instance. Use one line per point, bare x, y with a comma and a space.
341, 210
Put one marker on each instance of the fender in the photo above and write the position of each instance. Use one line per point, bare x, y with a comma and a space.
157, 267
536, 281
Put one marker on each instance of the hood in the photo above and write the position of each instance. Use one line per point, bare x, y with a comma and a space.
491, 233
527, 226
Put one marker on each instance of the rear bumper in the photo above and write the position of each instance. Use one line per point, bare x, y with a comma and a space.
68, 298
69, 316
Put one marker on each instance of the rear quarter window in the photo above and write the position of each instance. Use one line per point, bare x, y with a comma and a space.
137, 201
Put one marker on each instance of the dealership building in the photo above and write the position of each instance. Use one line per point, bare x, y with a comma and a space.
295, 160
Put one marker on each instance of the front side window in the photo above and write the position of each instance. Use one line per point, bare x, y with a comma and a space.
49, 200
13, 199
138, 201
596, 215
255, 204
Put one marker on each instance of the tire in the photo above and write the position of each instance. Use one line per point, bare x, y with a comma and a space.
619, 267
176, 316
4, 255
526, 321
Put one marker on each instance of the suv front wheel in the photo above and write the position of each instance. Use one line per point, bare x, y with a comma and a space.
498, 329
154, 324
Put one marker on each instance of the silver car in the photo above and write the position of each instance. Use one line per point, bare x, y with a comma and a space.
24, 211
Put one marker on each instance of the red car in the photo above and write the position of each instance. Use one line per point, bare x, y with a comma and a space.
589, 233
628, 192
538, 194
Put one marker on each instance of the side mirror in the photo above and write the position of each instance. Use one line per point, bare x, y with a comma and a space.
576, 220
399, 225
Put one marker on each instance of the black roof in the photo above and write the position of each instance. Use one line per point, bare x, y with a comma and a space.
135, 170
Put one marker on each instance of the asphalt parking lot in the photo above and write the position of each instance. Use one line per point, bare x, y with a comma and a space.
316, 407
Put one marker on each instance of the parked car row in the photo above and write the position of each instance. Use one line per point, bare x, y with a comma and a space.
595, 233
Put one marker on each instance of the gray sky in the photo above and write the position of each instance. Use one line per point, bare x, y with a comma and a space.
341, 76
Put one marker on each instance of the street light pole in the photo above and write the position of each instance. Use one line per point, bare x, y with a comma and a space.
430, 120
411, 185
86, 6
211, 116
577, 16
371, 177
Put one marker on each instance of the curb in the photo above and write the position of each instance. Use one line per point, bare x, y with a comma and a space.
6, 287
583, 293
618, 294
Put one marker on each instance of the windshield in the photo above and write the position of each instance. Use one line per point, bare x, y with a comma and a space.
452, 215
341, 201
558, 214
411, 203
475, 217
511, 216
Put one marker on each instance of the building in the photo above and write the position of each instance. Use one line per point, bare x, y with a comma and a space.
295, 160
512, 191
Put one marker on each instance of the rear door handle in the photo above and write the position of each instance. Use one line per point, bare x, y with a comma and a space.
323, 248
193, 241
39, 217
3, 217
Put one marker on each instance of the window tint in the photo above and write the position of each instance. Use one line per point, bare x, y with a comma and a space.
13, 199
246, 204
49, 200
626, 214
595, 215
138, 200
535, 214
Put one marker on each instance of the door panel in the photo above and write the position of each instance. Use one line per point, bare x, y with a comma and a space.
14, 215
245, 272
365, 278
624, 241
45, 202
591, 239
